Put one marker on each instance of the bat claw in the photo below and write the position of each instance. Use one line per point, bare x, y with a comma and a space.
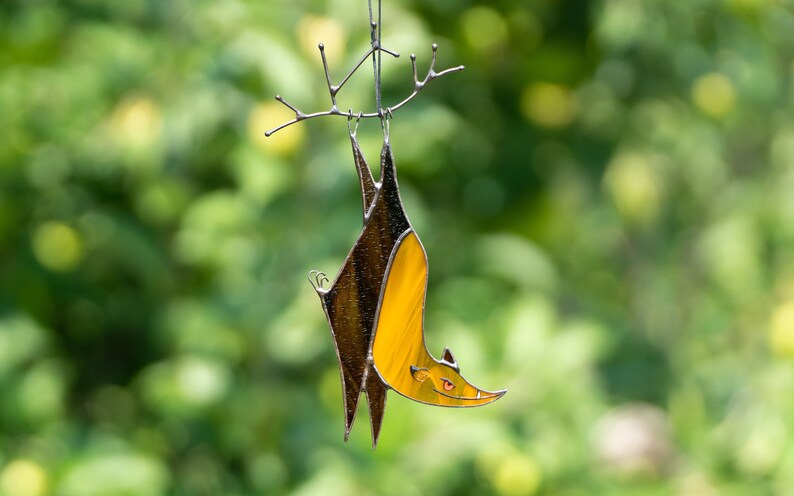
317, 279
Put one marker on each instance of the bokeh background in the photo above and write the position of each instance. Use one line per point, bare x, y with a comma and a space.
606, 195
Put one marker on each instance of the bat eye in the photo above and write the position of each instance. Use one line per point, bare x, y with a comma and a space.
447, 384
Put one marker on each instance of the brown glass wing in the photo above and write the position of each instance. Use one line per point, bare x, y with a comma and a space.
351, 301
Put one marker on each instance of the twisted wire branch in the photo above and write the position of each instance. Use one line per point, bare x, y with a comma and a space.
334, 89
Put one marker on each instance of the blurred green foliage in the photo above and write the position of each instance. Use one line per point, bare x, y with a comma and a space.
606, 196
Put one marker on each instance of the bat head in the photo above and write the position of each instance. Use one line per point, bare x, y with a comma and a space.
440, 383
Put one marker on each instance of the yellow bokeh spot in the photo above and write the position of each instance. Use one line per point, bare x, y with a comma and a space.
483, 28
267, 116
548, 105
23, 478
58, 246
136, 122
201, 382
634, 186
313, 30
517, 475
714, 94
782, 330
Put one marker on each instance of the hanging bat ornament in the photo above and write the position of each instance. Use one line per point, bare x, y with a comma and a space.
375, 304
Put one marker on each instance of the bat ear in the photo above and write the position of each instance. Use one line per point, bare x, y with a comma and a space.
419, 374
447, 356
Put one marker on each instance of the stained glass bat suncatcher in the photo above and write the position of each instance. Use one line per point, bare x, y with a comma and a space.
375, 307
375, 304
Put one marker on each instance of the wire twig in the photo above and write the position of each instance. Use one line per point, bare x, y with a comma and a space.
334, 89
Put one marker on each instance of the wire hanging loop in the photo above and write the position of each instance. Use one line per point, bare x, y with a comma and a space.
386, 115
333, 89
353, 130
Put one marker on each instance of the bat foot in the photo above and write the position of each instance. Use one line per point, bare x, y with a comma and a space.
317, 279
